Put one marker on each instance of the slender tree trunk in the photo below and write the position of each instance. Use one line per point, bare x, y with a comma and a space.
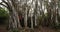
25, 19
35, 12
31, 21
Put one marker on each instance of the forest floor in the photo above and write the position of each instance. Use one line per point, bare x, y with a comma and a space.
46, 29
41, 29
3, 28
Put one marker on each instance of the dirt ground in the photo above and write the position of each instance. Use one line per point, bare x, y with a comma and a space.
45, 29
3, 28
41, 29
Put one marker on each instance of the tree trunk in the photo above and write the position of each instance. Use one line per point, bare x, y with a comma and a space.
31, 21
25, 19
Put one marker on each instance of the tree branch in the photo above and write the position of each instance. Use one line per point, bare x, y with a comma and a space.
8, 5
3, 4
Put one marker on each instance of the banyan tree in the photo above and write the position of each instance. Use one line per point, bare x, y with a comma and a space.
33, 12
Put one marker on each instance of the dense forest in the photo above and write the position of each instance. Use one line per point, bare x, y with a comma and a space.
32, 14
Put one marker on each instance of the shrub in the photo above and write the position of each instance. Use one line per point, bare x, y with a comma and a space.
15, 30
3, 15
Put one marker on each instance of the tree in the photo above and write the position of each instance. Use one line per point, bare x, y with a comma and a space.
11, 6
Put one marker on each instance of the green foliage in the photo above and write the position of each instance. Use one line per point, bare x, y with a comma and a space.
3, 16
58, 26
40, 18
59, 4
15, 30
58, 18
3, 12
